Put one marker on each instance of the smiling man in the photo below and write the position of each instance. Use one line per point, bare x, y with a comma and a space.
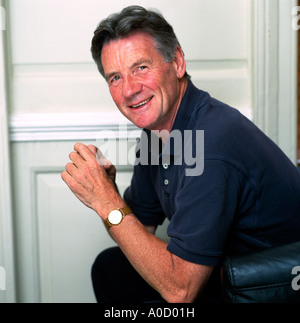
147, 89
247, 199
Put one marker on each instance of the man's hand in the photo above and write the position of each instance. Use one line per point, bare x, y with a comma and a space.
92, 179
176, 279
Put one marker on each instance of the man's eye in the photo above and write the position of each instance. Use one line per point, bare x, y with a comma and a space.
141, 68
115, 78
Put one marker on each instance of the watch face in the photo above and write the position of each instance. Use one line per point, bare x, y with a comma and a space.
115, 217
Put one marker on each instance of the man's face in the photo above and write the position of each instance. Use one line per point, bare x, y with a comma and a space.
145, 88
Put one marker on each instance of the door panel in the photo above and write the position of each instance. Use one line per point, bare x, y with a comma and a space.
69, 238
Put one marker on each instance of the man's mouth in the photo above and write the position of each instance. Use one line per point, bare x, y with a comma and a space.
141, 103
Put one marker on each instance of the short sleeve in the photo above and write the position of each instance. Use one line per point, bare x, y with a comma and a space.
205, 208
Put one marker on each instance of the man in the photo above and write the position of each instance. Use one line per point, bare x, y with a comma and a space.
246, 199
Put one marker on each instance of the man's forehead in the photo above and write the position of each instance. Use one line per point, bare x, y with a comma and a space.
131, 50
137, 38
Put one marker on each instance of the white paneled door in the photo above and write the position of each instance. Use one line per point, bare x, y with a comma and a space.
58, 98
58, 237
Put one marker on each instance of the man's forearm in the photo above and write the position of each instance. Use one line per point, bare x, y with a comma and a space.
151, 259
147, 254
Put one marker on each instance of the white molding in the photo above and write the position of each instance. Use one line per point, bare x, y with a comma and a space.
70, 127
6, 213
47, 235
265, 65
76, 126
274, 72
287, 94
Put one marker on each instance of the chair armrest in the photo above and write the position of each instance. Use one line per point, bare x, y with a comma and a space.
262, 277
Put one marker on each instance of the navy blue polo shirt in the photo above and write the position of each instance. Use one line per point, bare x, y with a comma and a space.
246, 198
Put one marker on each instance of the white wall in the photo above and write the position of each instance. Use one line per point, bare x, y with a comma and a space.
56, 97
52, 69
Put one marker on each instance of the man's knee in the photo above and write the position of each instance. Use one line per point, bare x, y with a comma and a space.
102, 274
103, 260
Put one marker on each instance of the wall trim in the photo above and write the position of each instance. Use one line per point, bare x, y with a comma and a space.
70, 127
274, 73
287, 97
265, 66
76, 126
6, 210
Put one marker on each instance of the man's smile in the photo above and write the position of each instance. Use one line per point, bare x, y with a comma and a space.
139, 105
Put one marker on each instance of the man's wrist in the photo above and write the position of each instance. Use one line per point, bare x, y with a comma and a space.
103, 209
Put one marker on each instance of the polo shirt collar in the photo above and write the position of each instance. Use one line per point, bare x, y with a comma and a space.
188, 103
182, 120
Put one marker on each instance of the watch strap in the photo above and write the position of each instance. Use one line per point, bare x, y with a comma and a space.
125, 210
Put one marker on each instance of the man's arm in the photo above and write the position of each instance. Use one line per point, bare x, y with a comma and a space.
177, 280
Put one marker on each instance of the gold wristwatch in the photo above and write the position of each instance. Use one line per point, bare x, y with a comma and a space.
115, 217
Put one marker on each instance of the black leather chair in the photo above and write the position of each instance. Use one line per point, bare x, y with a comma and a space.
268, 276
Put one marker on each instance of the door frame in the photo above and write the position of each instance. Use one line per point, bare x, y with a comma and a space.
275, 72
6, 212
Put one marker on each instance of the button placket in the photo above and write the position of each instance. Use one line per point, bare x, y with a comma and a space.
165, 166
166, 175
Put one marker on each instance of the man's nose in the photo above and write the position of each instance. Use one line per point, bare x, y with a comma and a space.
130, 86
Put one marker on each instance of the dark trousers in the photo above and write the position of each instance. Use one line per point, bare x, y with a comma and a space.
116, 281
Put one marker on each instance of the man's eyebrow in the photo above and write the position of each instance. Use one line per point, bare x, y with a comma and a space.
135, 64
141, 61
109, 76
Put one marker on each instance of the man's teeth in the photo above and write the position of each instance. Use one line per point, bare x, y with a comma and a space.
141, 104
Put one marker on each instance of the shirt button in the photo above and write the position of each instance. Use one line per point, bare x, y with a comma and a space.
165, 166
166, 182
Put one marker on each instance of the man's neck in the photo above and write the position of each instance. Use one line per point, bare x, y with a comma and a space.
165, 132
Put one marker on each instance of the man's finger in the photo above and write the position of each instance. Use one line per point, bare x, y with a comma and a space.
93, 149
71, 168
76, 158
83, 151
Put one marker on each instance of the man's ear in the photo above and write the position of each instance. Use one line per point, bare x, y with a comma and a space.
180, 63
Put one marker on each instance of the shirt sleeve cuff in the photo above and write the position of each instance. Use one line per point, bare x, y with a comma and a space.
207, 260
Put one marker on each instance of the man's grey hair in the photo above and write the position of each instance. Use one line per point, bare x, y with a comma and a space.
129, 21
